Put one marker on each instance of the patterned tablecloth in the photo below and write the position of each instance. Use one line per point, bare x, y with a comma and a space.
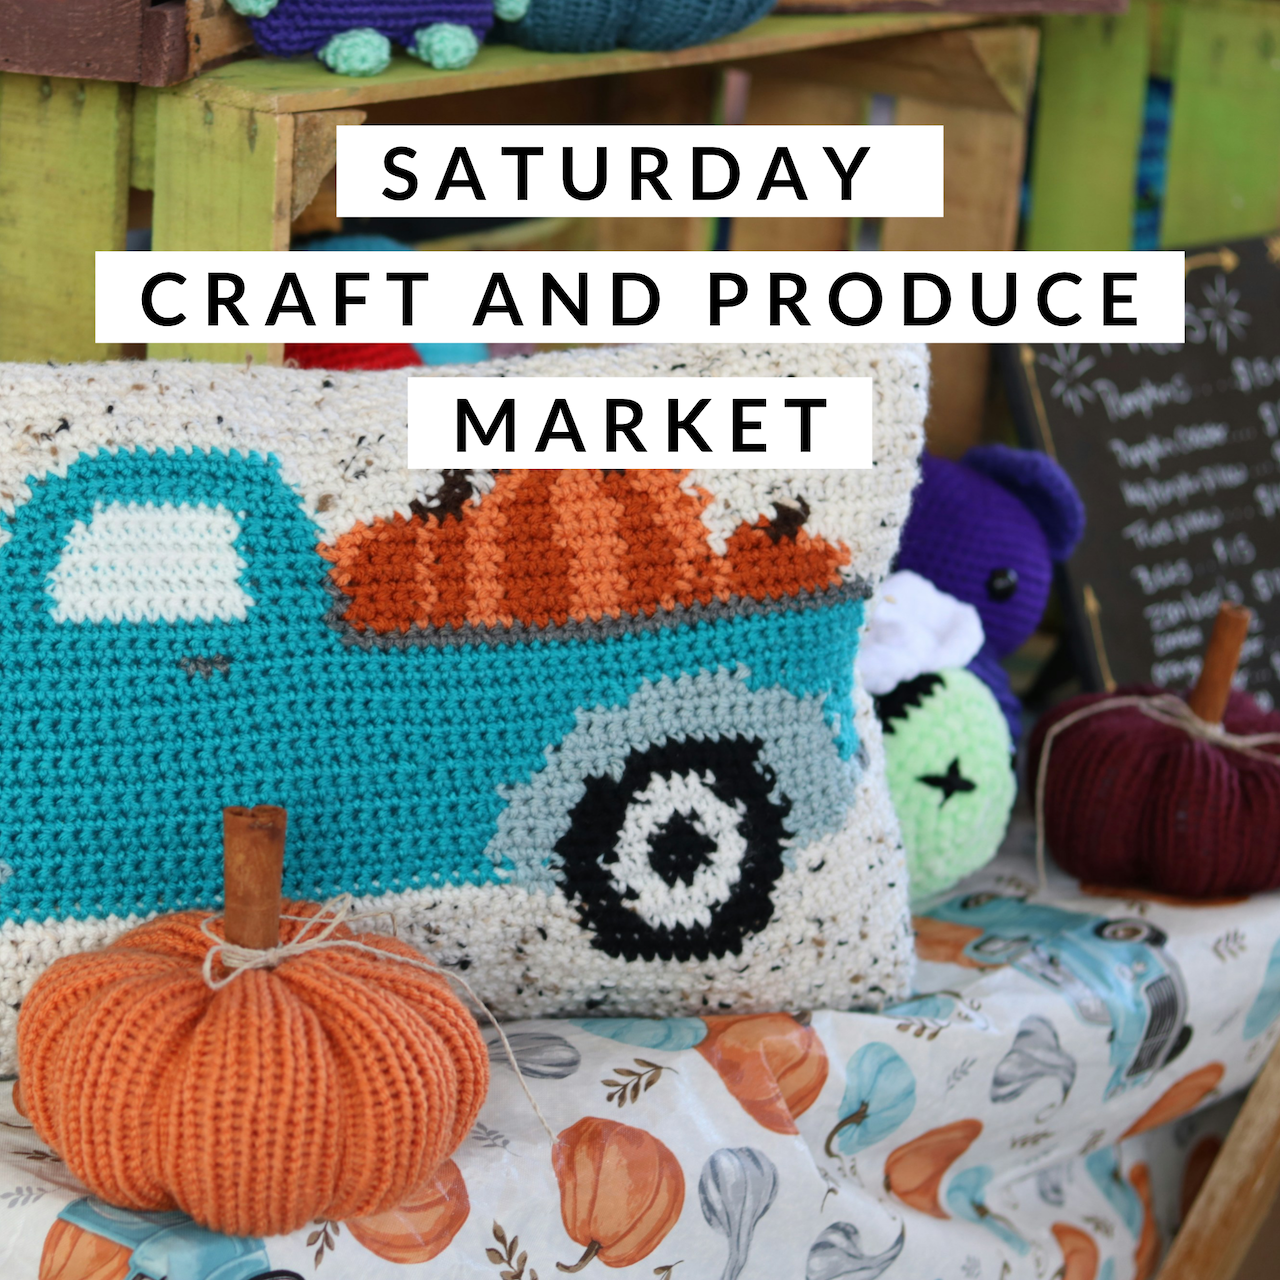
969, 1134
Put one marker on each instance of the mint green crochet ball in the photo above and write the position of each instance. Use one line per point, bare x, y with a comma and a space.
947, 752
361, 51
446, 46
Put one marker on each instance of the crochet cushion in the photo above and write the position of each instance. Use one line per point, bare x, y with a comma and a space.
590, 25
592, 737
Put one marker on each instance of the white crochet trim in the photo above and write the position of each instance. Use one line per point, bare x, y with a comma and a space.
915, 628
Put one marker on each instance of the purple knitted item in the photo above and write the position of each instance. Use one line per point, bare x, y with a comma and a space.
304, 26
987, 530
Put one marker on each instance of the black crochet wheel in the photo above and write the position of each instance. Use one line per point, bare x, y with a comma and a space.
678, 857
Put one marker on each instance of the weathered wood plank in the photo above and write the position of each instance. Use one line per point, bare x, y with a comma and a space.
128, 40
214, 31
679, 95
164, 44
983, 157
538, 235
93, 39
1237, 1194
1224, 135
64, 193
561, 102
315, 151
985, 67
786, 94
303, 84
142, 150
1093, 83
223, 180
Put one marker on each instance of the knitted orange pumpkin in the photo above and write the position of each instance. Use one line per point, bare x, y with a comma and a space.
331, 1085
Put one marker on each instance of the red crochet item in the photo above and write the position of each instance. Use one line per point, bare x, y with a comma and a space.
352, 355
1135, 802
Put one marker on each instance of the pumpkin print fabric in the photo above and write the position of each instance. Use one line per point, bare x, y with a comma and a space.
1046, 1103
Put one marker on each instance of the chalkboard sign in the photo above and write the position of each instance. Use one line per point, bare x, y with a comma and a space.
1176, 453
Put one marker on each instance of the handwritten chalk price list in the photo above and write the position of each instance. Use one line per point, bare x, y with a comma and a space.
1176, 452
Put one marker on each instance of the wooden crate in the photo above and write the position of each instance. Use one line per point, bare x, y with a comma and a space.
150, 42
131, 40
233, 157
1223, 179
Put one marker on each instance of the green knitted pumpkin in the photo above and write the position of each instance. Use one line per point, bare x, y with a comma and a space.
947, 751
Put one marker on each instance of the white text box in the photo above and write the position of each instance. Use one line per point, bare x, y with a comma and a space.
639, 297
639, 422
546, 171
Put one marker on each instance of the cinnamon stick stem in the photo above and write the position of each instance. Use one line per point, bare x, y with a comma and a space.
1213, 687
253, 871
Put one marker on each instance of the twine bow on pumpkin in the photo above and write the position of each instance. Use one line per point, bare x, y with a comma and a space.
236, 959
331, 916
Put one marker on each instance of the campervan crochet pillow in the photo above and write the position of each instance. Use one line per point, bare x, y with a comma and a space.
592, 737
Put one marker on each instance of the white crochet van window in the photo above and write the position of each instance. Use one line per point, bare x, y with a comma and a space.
145, 562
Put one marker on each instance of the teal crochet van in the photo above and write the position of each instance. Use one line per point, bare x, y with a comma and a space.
592, 737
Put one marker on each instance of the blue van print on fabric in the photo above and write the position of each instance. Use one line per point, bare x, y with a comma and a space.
672, 1034
1114, 973
1266, 1005
168, 1244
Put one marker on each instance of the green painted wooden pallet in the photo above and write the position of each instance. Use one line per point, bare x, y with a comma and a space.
1223, 60
217, 150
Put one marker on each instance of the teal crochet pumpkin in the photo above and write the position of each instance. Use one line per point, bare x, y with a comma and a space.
948, 755
584, 26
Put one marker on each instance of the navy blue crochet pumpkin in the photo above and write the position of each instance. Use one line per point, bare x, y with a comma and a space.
354, 37
583, 26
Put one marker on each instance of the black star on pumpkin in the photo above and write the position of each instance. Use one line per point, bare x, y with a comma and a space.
948, 783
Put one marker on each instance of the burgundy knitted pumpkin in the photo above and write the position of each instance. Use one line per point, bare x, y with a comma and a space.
1138, 802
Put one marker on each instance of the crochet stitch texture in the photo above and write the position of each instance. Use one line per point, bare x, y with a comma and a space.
326, 1057
592, 737
588, 26
303, 26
